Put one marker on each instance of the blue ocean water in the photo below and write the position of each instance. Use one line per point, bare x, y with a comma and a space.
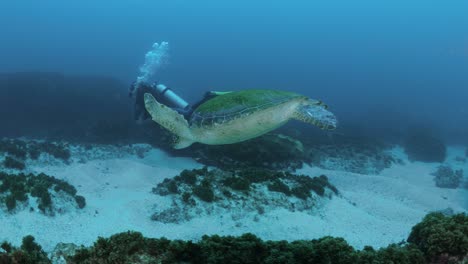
393, 72
384, 65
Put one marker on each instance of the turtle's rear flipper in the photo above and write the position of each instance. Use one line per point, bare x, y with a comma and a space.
171, 120
317, 115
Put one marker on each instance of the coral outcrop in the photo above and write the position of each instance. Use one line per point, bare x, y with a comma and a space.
132, 247
239, 192
446, 177
270, 151
17, 151
357, 155
437, 239
46, 193
442, 239
29, 253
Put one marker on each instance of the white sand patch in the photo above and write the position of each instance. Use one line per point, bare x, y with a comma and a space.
118, 198
372, 209
381, 209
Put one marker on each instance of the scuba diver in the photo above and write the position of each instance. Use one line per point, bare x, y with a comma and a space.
166, 96
155, 59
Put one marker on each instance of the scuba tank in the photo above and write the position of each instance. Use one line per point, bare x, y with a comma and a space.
162, 93
171, 97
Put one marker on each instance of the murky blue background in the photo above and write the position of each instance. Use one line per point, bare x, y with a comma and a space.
382, 66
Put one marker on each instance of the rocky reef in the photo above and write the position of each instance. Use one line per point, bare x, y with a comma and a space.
270, 151
436, 239
16, 152
202, 191
442, 239
45, 193
132, 247
446, 177
352, 154
286, 152
28, 253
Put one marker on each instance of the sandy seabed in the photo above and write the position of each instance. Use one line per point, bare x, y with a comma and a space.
371, 210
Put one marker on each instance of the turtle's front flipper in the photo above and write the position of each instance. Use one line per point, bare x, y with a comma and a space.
171, 120
316, 113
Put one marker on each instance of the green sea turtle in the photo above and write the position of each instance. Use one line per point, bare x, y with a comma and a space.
237, 116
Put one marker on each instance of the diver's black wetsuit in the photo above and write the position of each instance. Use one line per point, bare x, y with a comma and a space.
140, 112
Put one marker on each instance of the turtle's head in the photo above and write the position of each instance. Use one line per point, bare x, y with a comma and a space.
316, 113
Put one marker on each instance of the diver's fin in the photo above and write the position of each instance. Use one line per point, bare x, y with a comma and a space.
169, 119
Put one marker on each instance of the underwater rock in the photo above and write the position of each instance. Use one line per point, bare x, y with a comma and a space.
436, 239
173, 215
357, 155
270, 151
29, 252
62, 252
88, 152
18, 151
421, 146
13, 163
132, 247
38, 153
446, 212
446, 177
17, 192
254, 190
442, 239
